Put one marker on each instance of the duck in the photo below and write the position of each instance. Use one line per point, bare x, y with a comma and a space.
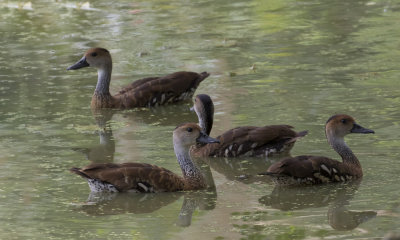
308, 169
105, 150
146, 92
242, 141
148, 178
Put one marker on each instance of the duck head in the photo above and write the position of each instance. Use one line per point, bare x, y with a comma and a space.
99, 58
188, 134
340, 125
204, 108
203, 103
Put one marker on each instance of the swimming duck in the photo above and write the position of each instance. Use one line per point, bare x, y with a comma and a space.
146, 92
143, 177
317, 169
247, 140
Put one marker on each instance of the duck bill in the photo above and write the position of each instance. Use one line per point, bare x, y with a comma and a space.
80, 64
204, 138
359, 129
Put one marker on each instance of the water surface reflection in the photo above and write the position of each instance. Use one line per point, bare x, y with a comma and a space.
242, 169
336, 196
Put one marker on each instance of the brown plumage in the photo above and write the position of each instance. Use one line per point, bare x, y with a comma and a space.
121, 176
317, 169
145, 92
247, 140
143, 177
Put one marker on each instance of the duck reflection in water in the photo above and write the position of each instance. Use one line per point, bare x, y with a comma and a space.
105, 150
335, 196
167, 115
242, 169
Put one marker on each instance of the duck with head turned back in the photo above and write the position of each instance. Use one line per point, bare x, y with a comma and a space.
317, 169
144, 178
246, 140
145, 92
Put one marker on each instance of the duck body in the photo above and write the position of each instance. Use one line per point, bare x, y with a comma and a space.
146, 92
311, 170
148, 178
242, 141
251, 141
112, 177
318, 169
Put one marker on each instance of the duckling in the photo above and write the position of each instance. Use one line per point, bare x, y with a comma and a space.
318, 169
247, 140
146, 92
145, 178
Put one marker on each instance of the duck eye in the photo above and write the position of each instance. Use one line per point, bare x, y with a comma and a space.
189, 129
344, 121
94, 54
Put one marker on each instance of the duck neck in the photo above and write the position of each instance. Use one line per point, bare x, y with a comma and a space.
206, 120
103, 80
343, 150
190, 172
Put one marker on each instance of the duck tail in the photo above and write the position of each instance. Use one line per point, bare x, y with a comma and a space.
302, 133
78, 172
299, 135
267, 174
203, 76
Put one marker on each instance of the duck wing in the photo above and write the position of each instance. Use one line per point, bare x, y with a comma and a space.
315, 169
136, 84
153, 91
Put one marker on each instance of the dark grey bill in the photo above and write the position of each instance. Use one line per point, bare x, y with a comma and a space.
204, 138
359, 129
80, 64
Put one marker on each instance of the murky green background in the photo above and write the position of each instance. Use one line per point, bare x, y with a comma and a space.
292, 62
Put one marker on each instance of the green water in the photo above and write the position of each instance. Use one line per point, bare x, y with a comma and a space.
292, 62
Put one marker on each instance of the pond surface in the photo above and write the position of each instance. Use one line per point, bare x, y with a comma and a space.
271, 62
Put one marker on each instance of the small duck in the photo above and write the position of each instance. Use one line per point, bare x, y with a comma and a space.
148, 178
247, 140
317, 169
146, 92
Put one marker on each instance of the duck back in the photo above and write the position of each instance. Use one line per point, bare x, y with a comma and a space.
155, 91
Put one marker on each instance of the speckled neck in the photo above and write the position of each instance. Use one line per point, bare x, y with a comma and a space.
103, 80
339, 145
190, 172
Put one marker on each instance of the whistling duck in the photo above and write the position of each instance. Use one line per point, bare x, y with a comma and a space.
317, 169
143, 177
247, 140
145, 92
